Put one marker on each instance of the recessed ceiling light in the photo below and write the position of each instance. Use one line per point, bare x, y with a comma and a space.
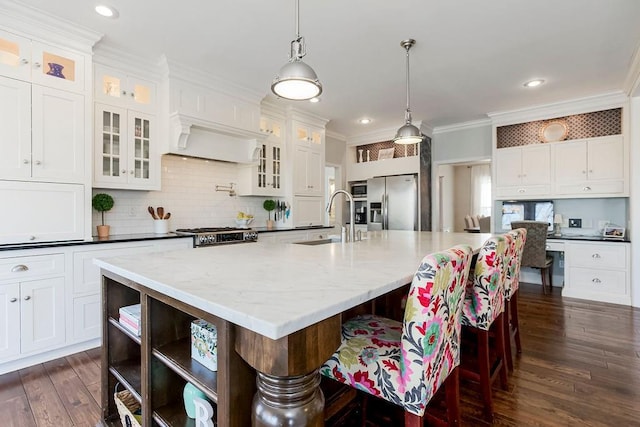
314, 99
364, 121
533, 83
106, 11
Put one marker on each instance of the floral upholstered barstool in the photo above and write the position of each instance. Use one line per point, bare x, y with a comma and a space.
512, 283
406, 362
482, 313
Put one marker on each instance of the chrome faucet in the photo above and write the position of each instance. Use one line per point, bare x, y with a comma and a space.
352, 210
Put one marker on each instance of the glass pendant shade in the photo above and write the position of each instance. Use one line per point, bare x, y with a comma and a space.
297, 81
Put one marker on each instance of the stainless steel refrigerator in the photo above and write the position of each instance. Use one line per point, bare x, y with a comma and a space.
393, 202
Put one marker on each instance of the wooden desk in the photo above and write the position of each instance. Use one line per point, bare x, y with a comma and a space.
283, 301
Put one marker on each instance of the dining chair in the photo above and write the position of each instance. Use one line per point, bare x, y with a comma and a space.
482, 317
535, 250
512, 284
406, 362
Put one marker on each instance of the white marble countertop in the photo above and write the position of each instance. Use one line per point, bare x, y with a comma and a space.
276, 289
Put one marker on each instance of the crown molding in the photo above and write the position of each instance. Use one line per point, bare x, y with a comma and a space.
461, 126
113, 56
304, 116
632, 81
33, 23
336, 135
173, 69
560, 109
378, 135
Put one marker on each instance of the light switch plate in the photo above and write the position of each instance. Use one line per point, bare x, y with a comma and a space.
575, 223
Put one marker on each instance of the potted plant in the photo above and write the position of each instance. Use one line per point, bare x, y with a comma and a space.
269, 205
102, 202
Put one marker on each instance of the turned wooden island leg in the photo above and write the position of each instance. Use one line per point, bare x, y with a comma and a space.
288, 379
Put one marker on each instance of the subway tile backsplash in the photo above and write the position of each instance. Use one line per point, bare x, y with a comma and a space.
188, 192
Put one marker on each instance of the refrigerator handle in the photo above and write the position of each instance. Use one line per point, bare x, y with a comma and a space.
383, 210
385, 217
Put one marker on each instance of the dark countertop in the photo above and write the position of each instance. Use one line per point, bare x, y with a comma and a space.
586, 238
118, 238
309, 227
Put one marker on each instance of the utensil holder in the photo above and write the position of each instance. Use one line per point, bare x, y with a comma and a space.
161, 226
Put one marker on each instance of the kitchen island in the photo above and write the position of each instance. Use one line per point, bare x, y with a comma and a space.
277, 306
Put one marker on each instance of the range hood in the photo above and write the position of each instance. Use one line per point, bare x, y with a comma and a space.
195, 137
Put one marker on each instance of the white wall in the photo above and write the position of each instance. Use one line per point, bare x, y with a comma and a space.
188, 192
462, 144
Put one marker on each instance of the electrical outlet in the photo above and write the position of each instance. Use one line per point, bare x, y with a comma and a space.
575, 223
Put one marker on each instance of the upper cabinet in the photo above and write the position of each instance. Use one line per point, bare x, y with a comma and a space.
307, 135
42, 133
523, 172
265, 177
121, 89
36, 62
308, 159
591, 166
125, 150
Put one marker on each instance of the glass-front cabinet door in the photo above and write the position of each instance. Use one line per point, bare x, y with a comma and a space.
139, 147
111, 163
276, 163
15, 56
57, 67
115, 87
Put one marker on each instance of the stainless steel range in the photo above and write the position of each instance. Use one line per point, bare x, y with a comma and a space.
219, 236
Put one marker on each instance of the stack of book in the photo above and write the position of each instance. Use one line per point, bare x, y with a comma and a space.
130, 318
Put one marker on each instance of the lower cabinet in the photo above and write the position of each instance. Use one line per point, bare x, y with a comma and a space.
308, 210
156, 366
32, 290
598, 271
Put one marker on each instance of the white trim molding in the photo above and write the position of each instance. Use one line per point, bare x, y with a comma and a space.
461, 126
559, 109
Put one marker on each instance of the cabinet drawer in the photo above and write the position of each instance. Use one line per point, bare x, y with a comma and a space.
523, 191
554, 246
602, 281
586, 188
19, 268
606, 256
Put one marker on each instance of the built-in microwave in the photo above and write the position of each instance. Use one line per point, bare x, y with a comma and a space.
359, 189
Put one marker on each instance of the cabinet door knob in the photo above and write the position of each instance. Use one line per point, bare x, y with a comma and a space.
521, 190
18, 268
131, 172
596, 256
584, 171
37, 64
25, 161
13, 299
24, 61
32, 237
596, 280
124, 92
124, 171
586, 189
38, 162
27, 298
590, 170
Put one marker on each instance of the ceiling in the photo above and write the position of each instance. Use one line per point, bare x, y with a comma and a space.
471, 57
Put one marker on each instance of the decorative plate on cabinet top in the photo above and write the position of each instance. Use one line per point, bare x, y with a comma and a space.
554, 131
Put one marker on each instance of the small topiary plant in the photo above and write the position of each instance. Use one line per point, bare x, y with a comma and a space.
269, 205
102, 202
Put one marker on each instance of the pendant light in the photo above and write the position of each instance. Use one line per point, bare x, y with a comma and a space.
408, 133
296, 80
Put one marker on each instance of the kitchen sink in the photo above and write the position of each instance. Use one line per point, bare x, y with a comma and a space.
317, 242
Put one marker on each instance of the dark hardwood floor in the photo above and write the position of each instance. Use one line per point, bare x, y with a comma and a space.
580, 365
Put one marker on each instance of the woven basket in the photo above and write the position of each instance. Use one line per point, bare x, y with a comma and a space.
127, 405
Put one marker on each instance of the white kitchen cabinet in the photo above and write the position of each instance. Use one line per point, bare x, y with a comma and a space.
264, 178
118, 88
307, 135
41, 133
308, 211
41, 212
126, 152
9, 314
32, 288
598, 271
308, 168
523, 172
36, 62
590, 167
